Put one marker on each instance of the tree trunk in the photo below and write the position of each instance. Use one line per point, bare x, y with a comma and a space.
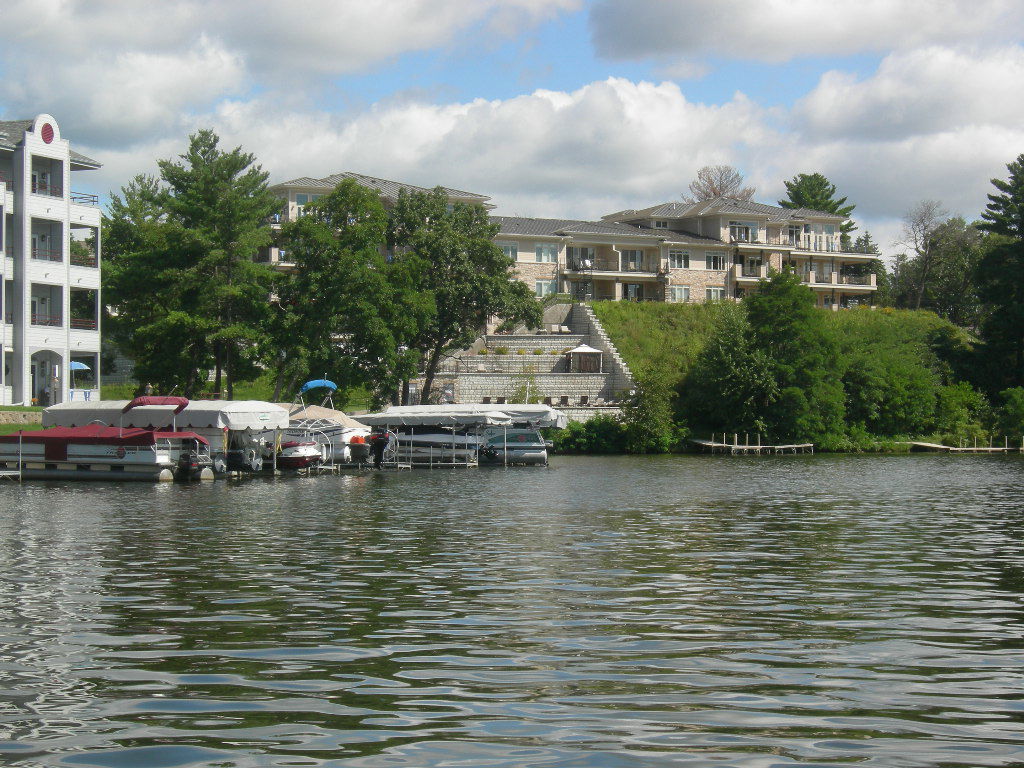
227, 369
217, 359
279, 384
924, 282
428, 376
405, 392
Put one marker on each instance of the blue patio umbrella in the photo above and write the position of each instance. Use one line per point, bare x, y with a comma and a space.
76, 366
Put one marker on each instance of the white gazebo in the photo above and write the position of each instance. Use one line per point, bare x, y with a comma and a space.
584, 359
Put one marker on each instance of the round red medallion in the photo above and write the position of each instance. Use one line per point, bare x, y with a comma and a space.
46, 133
120, 451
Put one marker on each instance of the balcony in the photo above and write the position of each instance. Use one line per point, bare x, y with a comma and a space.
6, 181
47, 254
54, 321
84, 324
835, 279
744, 272
84, 198
47, 188
84, 260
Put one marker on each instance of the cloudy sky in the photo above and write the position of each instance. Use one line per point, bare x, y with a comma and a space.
561, 108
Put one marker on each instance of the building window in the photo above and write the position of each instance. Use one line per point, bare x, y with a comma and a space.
742, 231
544, 288
580, 257
679, 293
679, 259
547, 253
632, 260
661, 225
714, 260
510, 251
715, 294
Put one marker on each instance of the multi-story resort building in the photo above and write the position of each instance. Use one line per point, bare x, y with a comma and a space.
50, 265
298, 193
682, 252
676, 252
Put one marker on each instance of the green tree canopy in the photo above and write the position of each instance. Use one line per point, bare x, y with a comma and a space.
180, 277
1004, 214
787, 327
814, 191
446, 253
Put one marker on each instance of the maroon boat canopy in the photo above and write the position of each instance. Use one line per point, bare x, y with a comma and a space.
179, 403
93, 434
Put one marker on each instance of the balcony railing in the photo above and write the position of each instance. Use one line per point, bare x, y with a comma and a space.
84, 198
84, 323
47, 188
47, 254
856, 280
84, 259
51, 320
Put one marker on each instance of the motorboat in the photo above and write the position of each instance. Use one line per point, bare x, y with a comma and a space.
296, 454
459, 434
97, 452
336, 431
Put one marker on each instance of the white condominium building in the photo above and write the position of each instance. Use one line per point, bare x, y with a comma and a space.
50, 265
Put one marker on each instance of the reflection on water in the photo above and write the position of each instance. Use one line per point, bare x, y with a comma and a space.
604, 612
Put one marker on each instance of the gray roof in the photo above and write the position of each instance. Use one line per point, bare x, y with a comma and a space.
11, 132
723, 205
387, 188
516, 225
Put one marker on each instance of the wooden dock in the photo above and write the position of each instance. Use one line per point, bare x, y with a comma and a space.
919, 446
747, 448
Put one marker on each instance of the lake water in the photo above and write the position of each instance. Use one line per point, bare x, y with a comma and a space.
606, 612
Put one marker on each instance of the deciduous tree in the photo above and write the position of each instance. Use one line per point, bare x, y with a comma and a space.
446, 253
718, 181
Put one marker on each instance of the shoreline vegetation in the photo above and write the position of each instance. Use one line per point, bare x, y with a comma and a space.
857, 381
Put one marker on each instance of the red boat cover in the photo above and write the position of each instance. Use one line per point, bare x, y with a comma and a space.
93, 434
179, 403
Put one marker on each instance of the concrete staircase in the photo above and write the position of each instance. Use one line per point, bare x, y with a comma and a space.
535, 362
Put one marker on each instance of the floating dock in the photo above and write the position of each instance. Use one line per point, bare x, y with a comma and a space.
746, 448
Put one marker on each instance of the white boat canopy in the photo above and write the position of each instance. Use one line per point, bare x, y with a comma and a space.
198, 414
469, 414
298, 412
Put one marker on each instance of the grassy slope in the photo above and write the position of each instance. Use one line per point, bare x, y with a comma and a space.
652, 335
658, 336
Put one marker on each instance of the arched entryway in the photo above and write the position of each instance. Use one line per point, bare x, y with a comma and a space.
47, 378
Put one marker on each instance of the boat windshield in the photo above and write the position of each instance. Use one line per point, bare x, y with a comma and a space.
514, 437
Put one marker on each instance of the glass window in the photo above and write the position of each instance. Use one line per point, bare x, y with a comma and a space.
301, 199
547, 253
544, 288
679, 259
510, 251
714, 260
679, 293
715, 294
632, 260
661, 225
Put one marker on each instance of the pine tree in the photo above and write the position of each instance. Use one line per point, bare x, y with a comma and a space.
814, 191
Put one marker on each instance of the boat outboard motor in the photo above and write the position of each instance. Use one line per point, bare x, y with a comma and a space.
378, 445
188, 466
360, 452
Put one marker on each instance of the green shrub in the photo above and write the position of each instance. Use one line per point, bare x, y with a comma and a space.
520, 351
601, 434
501, 350
483, 351
538, 351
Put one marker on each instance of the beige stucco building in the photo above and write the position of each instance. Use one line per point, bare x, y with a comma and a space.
675, 252
682, 252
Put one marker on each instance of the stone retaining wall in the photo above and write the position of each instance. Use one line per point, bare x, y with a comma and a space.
474, 387
21, 417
